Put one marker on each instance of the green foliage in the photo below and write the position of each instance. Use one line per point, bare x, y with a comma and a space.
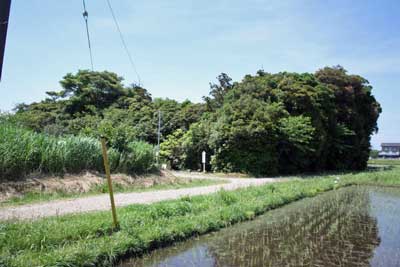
138, 158
290, 122
171, 149
194, 142
243, 136
356, 111
374, 153
88, 91
218, 92
97, 103
296, 143
264, 124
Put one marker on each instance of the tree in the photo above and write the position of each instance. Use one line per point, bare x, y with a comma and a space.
88, 91
244, 136
374, 153
356, 114
195, 141
218, 92
295, 145
171, 149
290, 122
97, 103
265, 124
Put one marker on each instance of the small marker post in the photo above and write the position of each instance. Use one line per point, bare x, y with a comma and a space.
203, 160
108, 176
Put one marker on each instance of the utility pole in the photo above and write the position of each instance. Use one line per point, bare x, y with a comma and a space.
158, 136
5, 6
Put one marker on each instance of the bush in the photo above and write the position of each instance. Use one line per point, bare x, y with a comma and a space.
139, 158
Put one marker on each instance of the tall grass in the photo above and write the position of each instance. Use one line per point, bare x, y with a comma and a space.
23, 152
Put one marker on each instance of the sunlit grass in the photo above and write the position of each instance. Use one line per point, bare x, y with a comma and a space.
23, 152
88, 240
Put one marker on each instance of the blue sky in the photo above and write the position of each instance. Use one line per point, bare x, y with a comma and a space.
179, 46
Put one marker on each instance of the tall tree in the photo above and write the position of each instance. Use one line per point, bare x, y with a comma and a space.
218, 92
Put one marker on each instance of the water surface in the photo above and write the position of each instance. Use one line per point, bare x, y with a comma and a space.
356, 226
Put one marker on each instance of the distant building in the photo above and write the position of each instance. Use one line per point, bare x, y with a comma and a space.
390, 150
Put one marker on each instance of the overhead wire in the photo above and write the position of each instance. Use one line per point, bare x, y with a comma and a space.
85, 17
123, 42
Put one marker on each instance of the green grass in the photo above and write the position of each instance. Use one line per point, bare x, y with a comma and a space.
390, 162
23, 152
34, 197
88, 240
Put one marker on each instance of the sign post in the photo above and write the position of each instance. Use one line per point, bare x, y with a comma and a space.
108, 175
203, 160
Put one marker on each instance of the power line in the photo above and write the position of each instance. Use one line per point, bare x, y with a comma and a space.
123, 41
85, 17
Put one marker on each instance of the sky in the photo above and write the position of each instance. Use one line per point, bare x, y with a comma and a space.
180, 46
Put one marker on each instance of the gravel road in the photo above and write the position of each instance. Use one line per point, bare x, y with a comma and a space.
102, 202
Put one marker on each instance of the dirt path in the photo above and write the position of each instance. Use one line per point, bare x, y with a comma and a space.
102, 202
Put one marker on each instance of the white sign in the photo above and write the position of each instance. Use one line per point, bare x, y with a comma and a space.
203, 157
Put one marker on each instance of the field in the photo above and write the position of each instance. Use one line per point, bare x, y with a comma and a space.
336, 228
88, 239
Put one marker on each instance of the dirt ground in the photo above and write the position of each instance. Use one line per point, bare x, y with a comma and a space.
102, 202
79, 183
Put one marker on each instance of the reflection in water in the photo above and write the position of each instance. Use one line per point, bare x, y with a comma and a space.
385, 205
348, 227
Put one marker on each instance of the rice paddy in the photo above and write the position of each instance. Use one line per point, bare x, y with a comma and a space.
353, 226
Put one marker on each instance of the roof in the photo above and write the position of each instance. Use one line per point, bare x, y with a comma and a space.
390, 144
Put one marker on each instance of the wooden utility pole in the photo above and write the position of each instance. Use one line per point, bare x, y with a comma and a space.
110, 188
4, 17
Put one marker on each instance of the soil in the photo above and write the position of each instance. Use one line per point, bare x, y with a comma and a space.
79, 183
102, 202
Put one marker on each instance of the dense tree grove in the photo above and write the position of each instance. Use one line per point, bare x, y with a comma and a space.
265, 124
284, 123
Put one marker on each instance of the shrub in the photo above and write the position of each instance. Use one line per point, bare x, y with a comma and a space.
138, 158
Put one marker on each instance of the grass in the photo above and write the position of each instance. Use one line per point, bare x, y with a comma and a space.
390, 162
23, 152
88, 240
34, 197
